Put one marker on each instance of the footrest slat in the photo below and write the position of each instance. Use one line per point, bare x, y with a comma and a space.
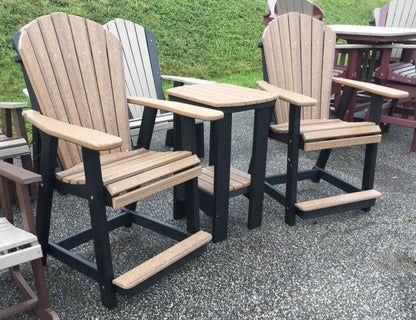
337, 200
161, 261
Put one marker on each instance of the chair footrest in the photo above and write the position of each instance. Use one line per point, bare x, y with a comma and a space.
238, 179
337, 200
161, 261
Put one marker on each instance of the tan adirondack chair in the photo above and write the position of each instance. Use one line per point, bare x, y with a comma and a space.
299, 53
397, 67
19, 246
143, 77
74, 68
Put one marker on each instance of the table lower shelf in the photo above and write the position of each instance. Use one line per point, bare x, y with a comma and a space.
238, 179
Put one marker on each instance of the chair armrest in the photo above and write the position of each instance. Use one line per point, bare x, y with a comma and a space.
294, 98
185, 80
373, 88
88, 138
182, 109
18, 174
13, 105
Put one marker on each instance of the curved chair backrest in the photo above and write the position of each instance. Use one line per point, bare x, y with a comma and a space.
397, 13
140, 61
299, 53
85, 83
277, 7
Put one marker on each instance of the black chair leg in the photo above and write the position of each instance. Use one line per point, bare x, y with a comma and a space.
292, 165
192, 205
200, 150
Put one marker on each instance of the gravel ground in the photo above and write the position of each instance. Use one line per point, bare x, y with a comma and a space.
354, 265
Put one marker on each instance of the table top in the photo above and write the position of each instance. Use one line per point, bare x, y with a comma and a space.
372, 33
222, 95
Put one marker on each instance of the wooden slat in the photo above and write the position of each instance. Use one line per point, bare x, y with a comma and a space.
151, 175
14, 151
337, 143
238, 179
104, 160
334, 125
342, 132
337, 200
156, 187
327, 71
306, 38
284, 127
20, 256
316, 62
127, 167
156, 264
12, 237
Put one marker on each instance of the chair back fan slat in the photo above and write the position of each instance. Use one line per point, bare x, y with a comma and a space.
138, 69
298, 58
73, 79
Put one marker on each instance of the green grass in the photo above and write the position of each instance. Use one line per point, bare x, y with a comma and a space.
207, 39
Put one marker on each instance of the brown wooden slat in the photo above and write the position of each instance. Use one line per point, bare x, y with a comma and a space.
327, 71
99, 53
337, 200
337, 143
340, 132
284, 127
104, 159
306, 38
116, 65
151, 175
335, 125
156, 187
316, 62
208, 173
238, 179
156, 264
39, 70
128, 167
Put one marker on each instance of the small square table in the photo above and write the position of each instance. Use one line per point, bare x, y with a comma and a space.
219, 181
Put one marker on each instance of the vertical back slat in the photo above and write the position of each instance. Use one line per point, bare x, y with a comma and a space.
99, 52
115, 62
275, 69
294, 27
306, 41
317, 51
327, 70
392, 15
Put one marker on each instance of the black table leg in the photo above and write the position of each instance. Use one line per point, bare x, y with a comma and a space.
221, 153
258, 166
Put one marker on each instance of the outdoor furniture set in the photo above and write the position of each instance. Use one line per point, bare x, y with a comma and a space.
75, 72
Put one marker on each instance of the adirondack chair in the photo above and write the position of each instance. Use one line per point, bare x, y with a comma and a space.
19, 246
397, 68
74, 67
14, 145
298, 53
143, 77
277, 7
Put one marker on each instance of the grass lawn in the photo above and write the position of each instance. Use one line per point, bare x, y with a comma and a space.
207, 39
